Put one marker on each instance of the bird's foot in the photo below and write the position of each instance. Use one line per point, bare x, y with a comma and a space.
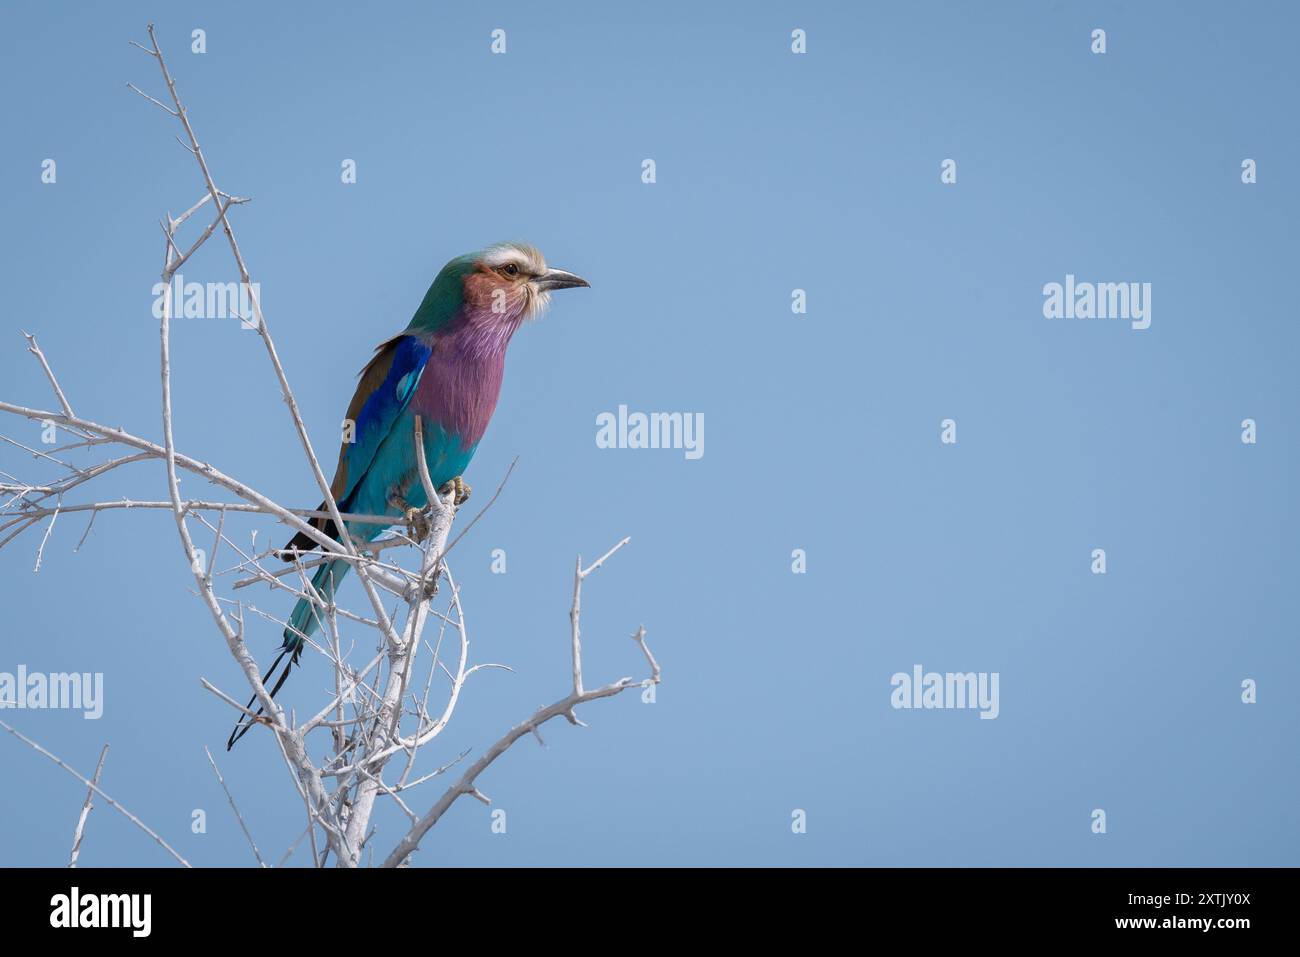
417, 523
461, 488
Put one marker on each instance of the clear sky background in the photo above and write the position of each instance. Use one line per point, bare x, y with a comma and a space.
775, 171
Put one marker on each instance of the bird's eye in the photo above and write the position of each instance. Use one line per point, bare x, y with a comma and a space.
510, 269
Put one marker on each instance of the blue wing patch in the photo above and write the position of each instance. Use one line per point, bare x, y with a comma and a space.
383, 406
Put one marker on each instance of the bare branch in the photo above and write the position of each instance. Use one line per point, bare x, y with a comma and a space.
575, 612
601, 560
40, 552
86, 808
157, 103
639, 638
202, 469
234, 807
35, 350
96, 789
564, 707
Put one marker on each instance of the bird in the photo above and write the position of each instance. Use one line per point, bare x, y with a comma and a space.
446, 367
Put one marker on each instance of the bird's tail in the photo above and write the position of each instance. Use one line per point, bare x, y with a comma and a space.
303, 623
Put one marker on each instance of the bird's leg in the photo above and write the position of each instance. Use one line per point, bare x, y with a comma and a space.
461, 488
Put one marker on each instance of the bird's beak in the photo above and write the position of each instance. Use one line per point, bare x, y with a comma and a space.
558, 279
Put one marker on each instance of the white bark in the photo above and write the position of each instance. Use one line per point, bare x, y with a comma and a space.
379, 711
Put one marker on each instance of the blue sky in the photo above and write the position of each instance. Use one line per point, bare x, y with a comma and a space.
775, 171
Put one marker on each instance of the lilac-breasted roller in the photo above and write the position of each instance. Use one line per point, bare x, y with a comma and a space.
446, 367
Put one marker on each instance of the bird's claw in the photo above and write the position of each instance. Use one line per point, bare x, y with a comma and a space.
461, 488
417, 524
